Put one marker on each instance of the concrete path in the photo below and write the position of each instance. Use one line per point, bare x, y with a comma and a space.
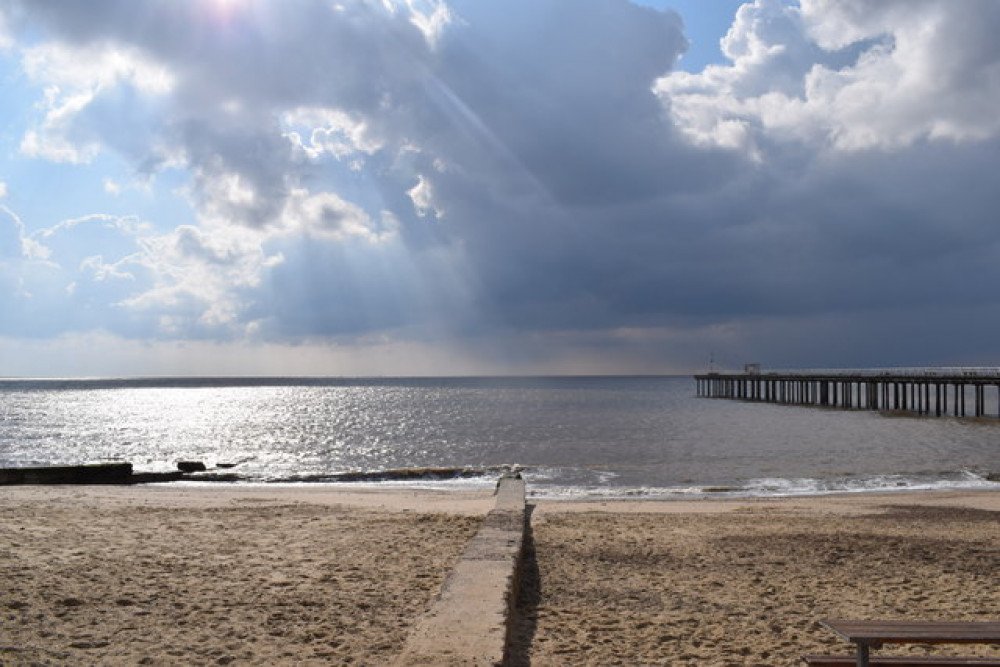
468, 623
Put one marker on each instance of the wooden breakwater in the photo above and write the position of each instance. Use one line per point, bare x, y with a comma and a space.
958, 392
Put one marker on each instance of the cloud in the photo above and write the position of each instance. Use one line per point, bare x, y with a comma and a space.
6, 40
527, 182
410, 100
11, 234
861, 124
846, 75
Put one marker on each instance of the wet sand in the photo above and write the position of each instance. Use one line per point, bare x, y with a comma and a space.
314, 575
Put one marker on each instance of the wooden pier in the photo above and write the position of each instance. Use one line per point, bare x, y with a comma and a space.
958, 392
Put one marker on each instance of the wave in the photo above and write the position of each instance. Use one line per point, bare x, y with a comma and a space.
772, 487
569, 484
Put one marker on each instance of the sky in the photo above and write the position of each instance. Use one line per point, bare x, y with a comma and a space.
454, 187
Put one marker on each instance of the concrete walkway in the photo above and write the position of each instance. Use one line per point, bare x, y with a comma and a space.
468, 623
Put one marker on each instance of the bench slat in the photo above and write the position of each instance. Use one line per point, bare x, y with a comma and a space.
922, 632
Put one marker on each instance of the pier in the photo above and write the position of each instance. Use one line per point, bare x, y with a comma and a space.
958, 392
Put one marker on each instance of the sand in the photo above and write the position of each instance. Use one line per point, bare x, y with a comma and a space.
315, 575
107, 576
746, 583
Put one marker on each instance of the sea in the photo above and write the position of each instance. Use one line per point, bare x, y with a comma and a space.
569, 437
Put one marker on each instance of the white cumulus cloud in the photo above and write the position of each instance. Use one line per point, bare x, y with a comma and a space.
849, 75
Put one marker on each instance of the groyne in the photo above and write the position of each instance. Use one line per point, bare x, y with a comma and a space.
122, 473
101, 473
958, 392
106, 473
469, 623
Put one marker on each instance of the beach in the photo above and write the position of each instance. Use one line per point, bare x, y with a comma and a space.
180, 574
167, 576
746, 583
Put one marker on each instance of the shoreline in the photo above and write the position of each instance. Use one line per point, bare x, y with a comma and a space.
160, 574
477, 502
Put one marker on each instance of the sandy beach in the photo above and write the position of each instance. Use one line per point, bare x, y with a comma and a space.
315, 575
732, 583
169, 576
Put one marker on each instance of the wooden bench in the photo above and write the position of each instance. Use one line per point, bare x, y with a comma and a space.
868, 635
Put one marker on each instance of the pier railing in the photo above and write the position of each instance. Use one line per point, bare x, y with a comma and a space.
918, 390
991, 372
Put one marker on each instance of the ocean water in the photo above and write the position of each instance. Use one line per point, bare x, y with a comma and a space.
570, 436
